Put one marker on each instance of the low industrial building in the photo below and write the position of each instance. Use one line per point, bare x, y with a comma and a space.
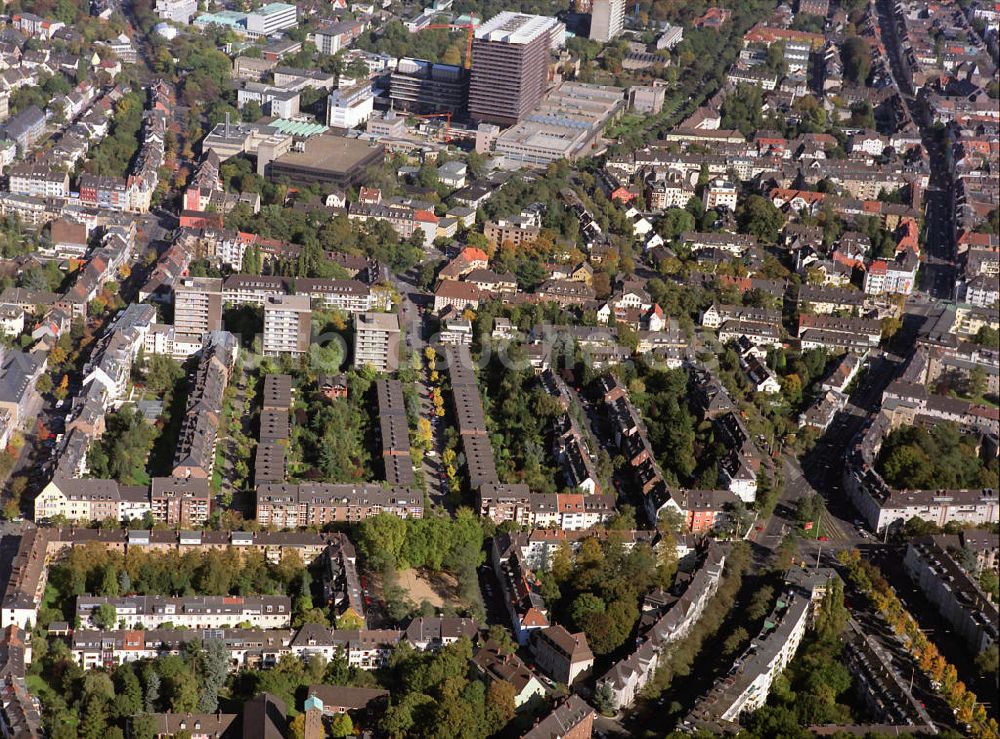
328, 160
567, 125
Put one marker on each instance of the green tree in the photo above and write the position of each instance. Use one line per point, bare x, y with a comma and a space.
978, 382
759, 217
734, 641
105, 616
988, 661
162, 373
341, 726
856, 56
381, 538
213, 668
94, 724
128, 693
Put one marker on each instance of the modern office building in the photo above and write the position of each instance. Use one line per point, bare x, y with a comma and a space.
286, 324
510, 61
422, 87
376, 341
178, 11
607, 19
198, 305
349, 107
271, 18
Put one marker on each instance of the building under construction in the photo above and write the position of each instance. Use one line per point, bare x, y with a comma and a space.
424, 88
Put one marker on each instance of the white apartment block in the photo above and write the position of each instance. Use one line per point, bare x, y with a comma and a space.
607, 19
287, 325
350, 296
720, 194
39, 182
376, 341
193, 612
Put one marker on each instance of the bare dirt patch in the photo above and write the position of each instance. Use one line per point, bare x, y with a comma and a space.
437, 588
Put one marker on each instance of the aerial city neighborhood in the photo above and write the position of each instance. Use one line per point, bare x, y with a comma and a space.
549, 370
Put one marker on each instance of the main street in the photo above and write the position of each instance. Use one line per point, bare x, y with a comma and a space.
938, 270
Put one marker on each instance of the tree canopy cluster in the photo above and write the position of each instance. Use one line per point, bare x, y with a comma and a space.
940, 458
433, 696
522, 413
662, 397
98, 704
599, 590
333, 445
114, 154
122, 451
435, 542
317, 233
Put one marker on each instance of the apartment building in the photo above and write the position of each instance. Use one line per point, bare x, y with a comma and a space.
100, 191
515, 231
180, 502
274, 101
436, 632
330, 37
28, 575
199, 434
178, 11
470, 417
394, 432
571, 719
38, 181
270, 19
174, 501
287, 325
561, 655
191, 612
252, 289
376, 341
746, 687
674, 618
25, 128
422, 87
351, 107
350, 296
520, 591
247, 648
400, 217
954, 591
607, 19
538, 547
367, 649
291, 505
198, 305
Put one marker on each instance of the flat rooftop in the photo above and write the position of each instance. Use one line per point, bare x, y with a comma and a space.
380, 321
329, 153
515, 28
